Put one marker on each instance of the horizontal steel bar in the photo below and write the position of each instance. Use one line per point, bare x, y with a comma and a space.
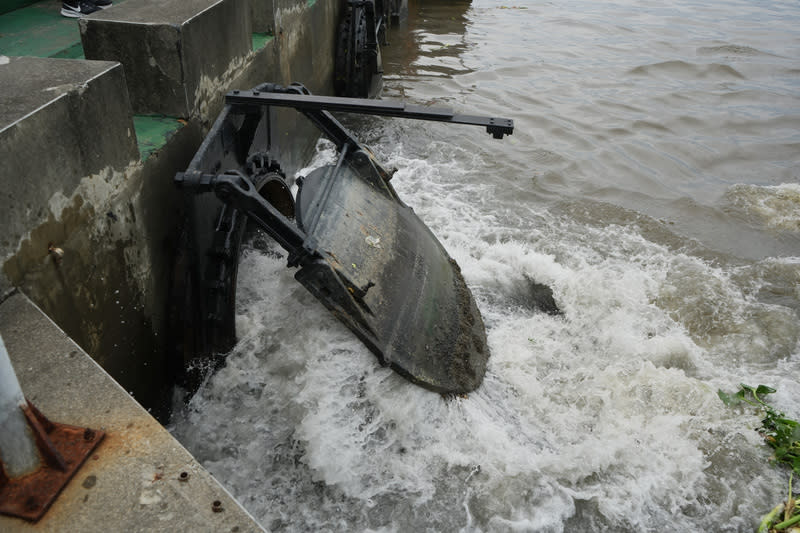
306, 102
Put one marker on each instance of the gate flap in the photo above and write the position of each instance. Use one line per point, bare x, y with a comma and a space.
385, 275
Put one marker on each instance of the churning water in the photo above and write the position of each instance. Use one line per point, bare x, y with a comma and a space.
652, 182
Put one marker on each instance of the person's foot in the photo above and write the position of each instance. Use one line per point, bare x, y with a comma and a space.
102, 4
78, 8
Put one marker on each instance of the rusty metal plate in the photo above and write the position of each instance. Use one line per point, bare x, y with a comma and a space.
30, 496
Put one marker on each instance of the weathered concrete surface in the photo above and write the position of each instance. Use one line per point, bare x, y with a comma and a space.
108, 290
170, 48
263, 14
133, 480
306, 35
71, 178
60, 120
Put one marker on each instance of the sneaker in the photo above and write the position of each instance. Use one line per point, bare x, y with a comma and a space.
77, 8
102, 4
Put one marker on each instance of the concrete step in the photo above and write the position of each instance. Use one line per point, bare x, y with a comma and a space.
60, 120
175, 52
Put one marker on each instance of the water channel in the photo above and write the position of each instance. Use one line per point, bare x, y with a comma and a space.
652, 182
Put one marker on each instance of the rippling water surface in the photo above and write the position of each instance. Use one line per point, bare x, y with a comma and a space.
652, 182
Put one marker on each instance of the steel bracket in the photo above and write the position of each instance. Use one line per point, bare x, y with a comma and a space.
63, 448
320, 105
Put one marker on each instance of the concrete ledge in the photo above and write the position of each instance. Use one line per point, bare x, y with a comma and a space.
108, 291
170, 48
133, 480
60, 120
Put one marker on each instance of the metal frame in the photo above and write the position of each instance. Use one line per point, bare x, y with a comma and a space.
376, 292
237, 190
311, 104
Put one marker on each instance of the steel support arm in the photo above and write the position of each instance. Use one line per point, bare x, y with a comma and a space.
497, 127
237, 190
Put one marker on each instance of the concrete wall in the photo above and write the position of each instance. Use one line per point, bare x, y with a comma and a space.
115, 218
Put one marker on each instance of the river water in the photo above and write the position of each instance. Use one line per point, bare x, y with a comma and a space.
652, 183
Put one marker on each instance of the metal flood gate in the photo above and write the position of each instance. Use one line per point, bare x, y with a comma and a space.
358, 248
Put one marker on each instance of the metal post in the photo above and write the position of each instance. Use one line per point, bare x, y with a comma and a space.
38, 457
17, 445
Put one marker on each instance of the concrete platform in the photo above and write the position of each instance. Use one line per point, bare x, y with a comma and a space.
134, 481
39, 30
175, 52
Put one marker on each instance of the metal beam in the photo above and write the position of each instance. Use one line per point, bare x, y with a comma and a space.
236, 189
388, 108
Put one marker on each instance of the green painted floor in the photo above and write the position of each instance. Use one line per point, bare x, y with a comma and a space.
153, 132
260, 40
39, 30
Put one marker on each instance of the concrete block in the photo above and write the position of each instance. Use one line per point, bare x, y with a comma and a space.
296, 31
60, 120
263, 14
175, 52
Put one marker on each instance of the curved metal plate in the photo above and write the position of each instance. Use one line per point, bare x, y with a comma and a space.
387, 277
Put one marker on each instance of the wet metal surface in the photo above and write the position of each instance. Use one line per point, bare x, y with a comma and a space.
361, 251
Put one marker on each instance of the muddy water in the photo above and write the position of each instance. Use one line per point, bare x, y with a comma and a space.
652, 182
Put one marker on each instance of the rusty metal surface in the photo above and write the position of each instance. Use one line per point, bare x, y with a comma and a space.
64, 449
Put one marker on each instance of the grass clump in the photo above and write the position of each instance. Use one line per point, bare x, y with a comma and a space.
782, 434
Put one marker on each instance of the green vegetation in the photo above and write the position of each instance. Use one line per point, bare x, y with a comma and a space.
781, 433
783, 436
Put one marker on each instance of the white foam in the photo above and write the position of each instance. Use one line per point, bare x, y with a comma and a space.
776, 206
607, 414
